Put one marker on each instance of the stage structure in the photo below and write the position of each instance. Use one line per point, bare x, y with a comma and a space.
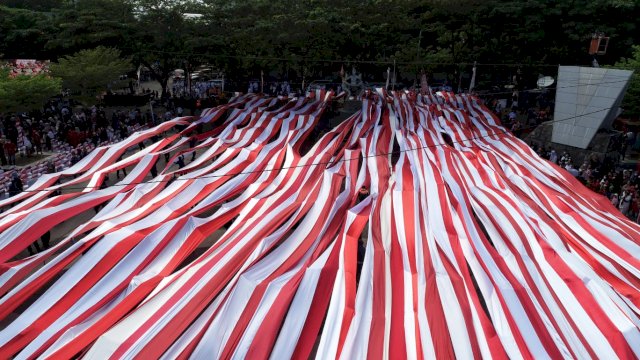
587, 99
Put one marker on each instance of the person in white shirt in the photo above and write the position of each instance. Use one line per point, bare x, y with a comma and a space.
625, 202
573, 171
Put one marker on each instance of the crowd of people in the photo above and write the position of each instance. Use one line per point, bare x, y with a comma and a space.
605, 176
59, 123
272, 88
602, 174
522, 110
200, 89
68, 132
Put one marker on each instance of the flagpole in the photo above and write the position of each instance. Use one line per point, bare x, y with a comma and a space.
386, 86
393, 87
473, 78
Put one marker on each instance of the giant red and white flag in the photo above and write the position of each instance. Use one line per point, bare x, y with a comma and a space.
418, 227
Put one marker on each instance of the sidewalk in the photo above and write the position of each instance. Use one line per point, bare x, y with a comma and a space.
22, 162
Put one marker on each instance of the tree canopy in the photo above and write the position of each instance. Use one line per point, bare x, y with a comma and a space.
631, 102
87, 24
89, 72
315, 39
26, 92
164, 39
25, 33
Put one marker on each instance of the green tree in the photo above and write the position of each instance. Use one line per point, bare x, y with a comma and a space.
89, 72
25, 92
631, 102
87, 24
317, 37
537, 34
165, 37
38, 5
24, 33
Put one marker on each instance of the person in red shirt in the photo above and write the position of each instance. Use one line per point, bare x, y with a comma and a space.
10, 151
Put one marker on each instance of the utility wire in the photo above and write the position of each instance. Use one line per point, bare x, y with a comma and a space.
299, 58
484, 94
325, 162
552, 88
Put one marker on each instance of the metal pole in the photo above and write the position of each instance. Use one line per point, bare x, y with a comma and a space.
418, 47
386, 85
393, 87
